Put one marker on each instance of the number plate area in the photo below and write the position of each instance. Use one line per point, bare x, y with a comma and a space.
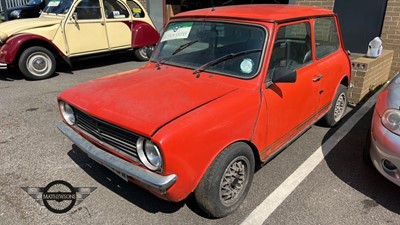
119, 173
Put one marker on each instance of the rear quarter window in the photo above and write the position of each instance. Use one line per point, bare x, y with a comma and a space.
326, 36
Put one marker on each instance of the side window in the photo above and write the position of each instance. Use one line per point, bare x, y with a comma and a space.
326, 36
115, 10
292, 48
88, 9
137, 11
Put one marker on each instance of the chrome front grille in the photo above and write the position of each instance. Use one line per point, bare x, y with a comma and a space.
114, 137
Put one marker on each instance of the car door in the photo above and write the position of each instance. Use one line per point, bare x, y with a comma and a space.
291, 106
85, 30
118, 24
329, 60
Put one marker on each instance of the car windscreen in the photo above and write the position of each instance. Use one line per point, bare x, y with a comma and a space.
232, 49
34, 2
58, 6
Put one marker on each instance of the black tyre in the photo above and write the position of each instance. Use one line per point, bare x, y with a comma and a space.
338, 108
37, 63
140, 53
227, 181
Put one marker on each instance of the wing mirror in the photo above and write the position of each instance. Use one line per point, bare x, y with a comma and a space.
283, 75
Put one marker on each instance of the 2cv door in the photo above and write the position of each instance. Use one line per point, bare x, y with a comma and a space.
118, 24
85, 30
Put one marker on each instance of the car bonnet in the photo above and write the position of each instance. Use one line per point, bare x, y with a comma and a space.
19, 26
145, 100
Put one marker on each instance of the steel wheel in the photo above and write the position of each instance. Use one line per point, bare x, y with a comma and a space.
141, 54
340, 107
234, 181
39, 64
227, 181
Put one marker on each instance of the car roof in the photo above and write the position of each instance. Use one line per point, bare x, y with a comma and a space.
258, 12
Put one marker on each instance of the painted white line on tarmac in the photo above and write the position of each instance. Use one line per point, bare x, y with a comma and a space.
272, 202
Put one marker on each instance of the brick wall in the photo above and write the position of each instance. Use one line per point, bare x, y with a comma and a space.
368, 74
320, 3
391, 33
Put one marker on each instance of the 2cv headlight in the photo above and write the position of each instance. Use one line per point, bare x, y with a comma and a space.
67, 113
149, 154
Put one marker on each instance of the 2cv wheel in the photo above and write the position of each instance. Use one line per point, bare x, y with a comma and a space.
141, 54
227, 181
37, 63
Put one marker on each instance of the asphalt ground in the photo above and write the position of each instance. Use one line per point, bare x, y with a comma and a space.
341, 189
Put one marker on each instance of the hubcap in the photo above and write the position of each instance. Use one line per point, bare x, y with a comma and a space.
38, 64
143, 53
234, 181
340, 107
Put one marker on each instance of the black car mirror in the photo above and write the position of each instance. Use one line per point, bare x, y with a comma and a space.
284, 75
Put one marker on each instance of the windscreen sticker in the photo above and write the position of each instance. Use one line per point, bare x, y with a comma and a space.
177, 31
246, 66
54, 3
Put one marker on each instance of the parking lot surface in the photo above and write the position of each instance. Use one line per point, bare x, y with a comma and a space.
339, 189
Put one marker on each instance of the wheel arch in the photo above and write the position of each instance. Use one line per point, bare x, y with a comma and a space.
17, 44
143, 34
253, 148
256, 154
345, 81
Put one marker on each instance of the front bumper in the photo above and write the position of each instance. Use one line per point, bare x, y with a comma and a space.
155, 181
385, 145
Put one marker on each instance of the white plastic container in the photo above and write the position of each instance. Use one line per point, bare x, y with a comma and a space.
375, 48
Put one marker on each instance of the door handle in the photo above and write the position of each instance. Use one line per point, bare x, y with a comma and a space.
317, 78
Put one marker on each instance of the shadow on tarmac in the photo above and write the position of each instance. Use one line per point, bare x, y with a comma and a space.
346, 161
129, 191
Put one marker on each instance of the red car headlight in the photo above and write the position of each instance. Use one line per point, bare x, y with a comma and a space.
149, 154
67, 112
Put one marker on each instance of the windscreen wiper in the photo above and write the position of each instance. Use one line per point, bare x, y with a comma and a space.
180, 48
222, 59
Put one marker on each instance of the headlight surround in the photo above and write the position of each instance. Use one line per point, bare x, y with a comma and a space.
149, 154
15, 13
67, 112
391, 120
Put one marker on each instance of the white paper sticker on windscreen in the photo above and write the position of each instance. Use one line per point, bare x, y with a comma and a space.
54, 3
177, 31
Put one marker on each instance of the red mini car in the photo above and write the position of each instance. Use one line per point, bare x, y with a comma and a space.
225, 90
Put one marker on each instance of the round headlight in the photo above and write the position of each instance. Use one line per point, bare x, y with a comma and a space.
149, 154
67, 113
391, 120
